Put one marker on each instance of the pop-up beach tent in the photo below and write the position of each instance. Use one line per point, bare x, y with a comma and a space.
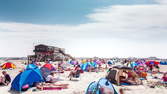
85, 66
8, 65
99, 86
27, 77
152, 62
163, 62
115, 73
31, 66
49, 66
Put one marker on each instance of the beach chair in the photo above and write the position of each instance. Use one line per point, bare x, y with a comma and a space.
76, 75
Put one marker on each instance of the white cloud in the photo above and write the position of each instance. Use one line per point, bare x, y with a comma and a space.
161, 1
135, 30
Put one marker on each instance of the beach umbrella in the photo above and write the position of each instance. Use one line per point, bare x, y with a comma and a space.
8, 65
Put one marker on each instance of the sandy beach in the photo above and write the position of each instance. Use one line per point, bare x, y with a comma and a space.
88, 46
79, 86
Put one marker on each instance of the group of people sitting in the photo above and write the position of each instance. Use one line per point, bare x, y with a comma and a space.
73, 73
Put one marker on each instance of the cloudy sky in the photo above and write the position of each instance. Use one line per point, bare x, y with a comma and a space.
103, 28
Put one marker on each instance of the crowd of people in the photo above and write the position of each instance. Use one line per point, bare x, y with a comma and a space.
137, 71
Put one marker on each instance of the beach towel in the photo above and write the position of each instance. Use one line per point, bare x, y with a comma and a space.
52, 86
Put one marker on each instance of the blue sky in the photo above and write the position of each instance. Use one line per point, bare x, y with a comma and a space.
103, 28
55, 11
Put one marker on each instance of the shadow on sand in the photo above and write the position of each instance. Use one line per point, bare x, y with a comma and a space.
14, 92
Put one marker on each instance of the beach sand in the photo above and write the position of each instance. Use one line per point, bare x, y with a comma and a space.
80, 86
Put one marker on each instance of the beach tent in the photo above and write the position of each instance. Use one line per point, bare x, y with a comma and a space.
140, 63
8, 65
110, 62
49, 66
133, 64
85, 66
93, 64
27, 77
156, 62
73, 62
98, 62
152, 62
31, 66
163, 62
100, 87
115, 73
